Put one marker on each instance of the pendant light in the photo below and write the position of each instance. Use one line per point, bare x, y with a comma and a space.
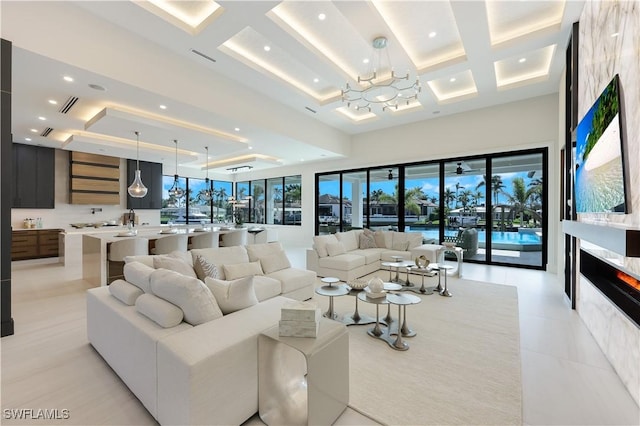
206, 194
137, 188
175, 190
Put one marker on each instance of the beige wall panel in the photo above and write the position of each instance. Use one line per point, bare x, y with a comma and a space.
79, 184
95, 171
88, 198
94, 158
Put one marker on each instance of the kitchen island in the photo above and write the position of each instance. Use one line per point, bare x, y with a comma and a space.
95, 245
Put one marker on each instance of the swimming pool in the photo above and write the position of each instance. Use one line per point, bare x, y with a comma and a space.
523, 240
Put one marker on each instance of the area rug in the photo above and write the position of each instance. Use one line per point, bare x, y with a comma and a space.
462, 367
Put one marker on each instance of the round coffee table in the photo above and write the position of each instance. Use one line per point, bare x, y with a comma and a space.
422, 272
356, 318
331, 292
402, 300
390, 287
376, 331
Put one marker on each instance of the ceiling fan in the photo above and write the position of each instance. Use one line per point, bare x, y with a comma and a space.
464, 168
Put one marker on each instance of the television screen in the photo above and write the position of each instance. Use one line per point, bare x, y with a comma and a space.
599, 174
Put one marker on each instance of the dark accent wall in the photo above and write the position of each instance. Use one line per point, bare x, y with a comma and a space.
6, 160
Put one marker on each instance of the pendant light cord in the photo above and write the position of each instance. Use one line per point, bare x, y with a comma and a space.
137, 150
176, 142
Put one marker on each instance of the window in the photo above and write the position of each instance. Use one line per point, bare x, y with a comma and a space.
275, 210
293, 200
275, 201
329, 204
191, 208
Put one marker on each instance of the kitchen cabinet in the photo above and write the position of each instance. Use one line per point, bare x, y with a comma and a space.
33, 177
151, 178
35, 243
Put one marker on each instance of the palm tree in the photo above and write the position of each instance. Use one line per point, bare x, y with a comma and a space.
449, 197
497, 186
465, 198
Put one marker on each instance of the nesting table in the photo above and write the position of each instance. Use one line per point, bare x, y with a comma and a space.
331, 291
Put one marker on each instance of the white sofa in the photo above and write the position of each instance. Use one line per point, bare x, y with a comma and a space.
352, 254
187, 371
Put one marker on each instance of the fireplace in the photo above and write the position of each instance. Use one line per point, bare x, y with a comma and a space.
620, 287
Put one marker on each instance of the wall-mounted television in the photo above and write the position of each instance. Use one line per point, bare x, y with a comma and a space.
599, 169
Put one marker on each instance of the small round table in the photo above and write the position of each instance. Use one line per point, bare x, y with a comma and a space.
442, 270
331, 292
390, 287
376, 331
422, 272
330, 281
402, 300
356, 318
397, 265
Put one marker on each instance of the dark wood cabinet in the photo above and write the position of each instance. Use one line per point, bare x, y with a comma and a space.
35, 243
33, 177
151, 178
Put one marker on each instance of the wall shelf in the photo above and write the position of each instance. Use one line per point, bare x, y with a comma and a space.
617, 238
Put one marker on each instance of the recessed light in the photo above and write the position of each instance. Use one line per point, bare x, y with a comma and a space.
42, 118
615, 34
267, 48
315, 80
452, 79
163, 107
302, 159
67, 78
27, 139
322, 17
365, 61
34, 130
53, 102
432, 34
237, 129
250, 147
97, 87
522, 60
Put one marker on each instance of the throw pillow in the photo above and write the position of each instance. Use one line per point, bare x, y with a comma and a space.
383, 239
320, 243
204, 269
275, 262
367, 241
348, 239
125, 292
189, 294
241, 270
258, 251
335, 249
174, 264
233, 295
138, 274
160, 311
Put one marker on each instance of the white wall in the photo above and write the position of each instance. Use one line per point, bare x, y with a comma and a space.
532, 123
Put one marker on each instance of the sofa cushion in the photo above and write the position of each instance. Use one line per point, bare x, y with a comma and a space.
204, 269
367, 241
189, 294
160, 311
336, 249
233, 295
275, 262
383, 239
349, 239
174, 264
138, 274
400, 245
370, 255
293, 279
223, 256
266, 287
320, 243
343, 262
146, 259
258, 251
125, 292
241, 270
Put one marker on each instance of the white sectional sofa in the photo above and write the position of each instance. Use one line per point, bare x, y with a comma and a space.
352, 254
165, 335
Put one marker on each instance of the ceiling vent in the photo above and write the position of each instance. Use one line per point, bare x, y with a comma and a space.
207, 57
66, 107
46, 132
309, 109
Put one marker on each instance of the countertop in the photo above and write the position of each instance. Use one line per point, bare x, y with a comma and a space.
110, 233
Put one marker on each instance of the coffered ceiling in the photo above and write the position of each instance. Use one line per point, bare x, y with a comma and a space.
260, 83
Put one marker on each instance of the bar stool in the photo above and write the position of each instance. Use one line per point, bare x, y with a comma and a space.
237, 237
117, 252
166, 245
205, 240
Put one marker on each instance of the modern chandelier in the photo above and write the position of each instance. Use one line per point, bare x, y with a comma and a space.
137, 188
175, 191
387, 92
206, 194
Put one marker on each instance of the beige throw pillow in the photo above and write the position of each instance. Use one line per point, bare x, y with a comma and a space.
335, 249
241, 270
275, 262
204, 269
233, 295
189, 294
174, 264
160, 311
367, 241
